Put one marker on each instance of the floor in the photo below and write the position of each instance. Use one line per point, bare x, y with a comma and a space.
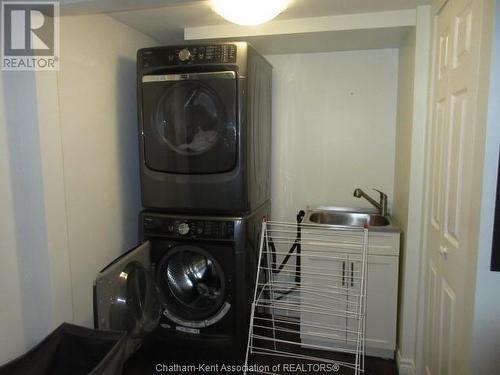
288, 355
374, 366
151, 360
298, 360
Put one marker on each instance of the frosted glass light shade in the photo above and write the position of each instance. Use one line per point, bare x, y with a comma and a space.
249, 12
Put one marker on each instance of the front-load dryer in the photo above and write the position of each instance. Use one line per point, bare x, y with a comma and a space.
188, 285
205, 128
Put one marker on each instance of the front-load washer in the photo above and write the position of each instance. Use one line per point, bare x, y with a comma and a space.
189, 284
205, 128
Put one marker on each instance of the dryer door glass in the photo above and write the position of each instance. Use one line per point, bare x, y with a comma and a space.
127, 298
192, 282
189, 122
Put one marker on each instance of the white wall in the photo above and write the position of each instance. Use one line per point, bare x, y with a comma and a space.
334, 118
404, 127
26, 277
97, 95
404, 130
69, 192
486, 346
11, 324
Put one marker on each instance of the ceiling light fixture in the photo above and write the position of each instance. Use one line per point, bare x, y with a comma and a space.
249, 12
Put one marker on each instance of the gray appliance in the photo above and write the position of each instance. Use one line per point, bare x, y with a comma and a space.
205, 128
189, 283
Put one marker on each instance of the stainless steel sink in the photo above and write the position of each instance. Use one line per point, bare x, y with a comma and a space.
348, 218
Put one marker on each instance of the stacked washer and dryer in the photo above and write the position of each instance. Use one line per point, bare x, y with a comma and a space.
205, 146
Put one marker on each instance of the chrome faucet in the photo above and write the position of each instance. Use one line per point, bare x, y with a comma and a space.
381, 205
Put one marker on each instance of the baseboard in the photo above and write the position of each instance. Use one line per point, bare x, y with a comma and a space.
406, 366
378, 352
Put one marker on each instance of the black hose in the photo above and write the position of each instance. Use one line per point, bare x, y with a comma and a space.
296, 247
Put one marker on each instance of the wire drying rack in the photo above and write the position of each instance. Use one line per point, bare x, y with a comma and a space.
309, 306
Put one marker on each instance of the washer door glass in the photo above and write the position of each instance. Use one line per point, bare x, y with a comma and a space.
127, 298
189, 122
136, 306
190, 118
192, 282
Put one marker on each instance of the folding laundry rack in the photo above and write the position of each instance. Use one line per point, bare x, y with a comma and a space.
309, 306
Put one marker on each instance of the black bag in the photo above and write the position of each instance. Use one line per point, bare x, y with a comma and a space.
73, 350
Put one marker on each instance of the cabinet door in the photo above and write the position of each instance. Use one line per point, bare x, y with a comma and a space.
382, 302
323, 301
335, 282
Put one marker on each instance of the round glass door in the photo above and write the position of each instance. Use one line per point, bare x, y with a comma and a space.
136, 307
190, 118
192, 283
189, 122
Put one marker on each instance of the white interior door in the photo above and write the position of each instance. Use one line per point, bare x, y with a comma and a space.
457, 30
434, 192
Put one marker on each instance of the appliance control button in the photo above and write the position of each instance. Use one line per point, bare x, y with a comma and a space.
183, 228
151, 223
184, 54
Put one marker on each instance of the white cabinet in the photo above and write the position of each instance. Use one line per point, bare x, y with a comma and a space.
313, 294
381, 305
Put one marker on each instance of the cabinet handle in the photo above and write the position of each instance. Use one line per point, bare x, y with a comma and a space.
352, 273
343, 273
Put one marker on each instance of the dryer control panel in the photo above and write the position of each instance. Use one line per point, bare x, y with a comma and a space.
178, 227
182, 55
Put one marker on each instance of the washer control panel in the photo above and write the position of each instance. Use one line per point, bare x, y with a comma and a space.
207, 54
187, 228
